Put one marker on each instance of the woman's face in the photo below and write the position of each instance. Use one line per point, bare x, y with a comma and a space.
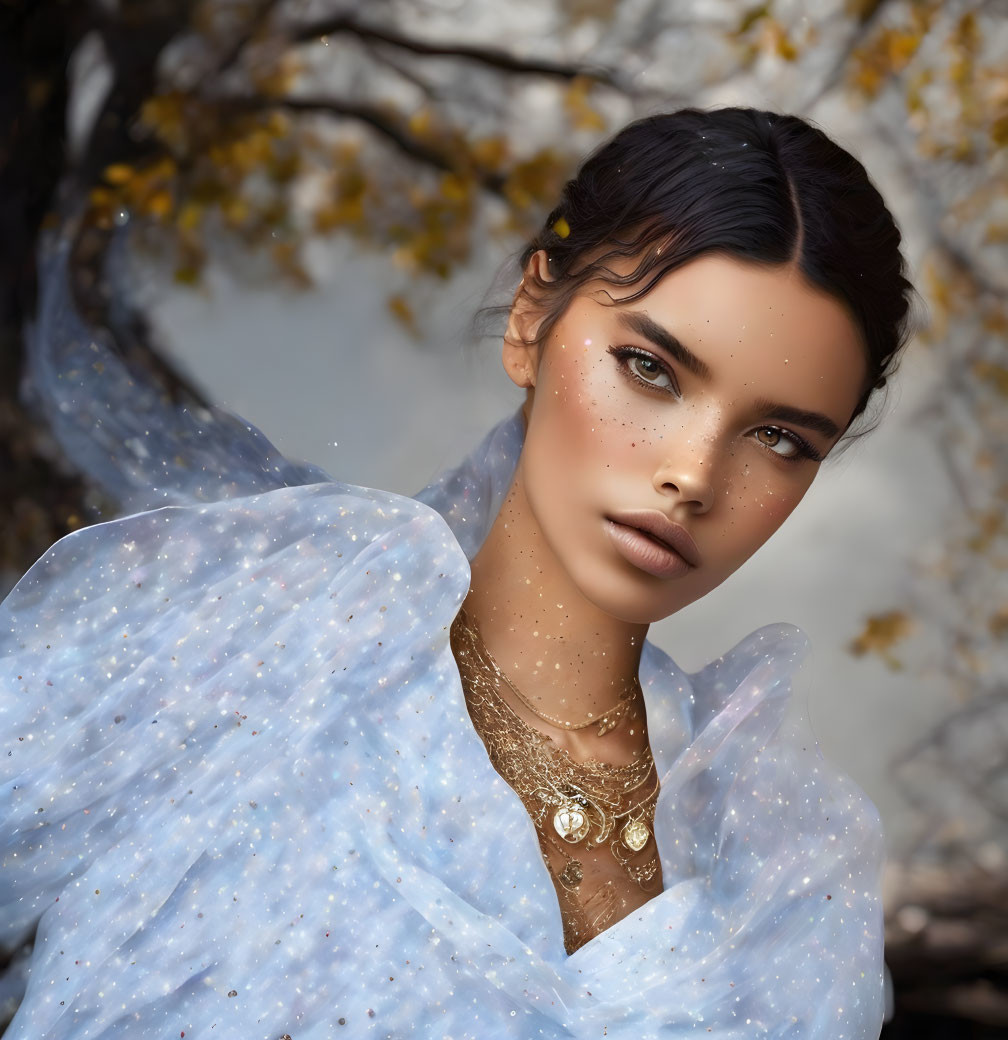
670, 436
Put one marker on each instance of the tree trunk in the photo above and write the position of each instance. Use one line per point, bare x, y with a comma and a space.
38, 501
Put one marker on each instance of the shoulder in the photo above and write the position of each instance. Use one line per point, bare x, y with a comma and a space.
760, 770
195, 599
182, 545
753, 678
789, 849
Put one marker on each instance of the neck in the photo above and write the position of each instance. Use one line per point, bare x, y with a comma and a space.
564, 653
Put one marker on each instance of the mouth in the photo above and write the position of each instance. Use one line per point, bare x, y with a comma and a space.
648, 540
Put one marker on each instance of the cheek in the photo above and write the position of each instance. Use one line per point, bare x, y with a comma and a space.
575, 415
757, 505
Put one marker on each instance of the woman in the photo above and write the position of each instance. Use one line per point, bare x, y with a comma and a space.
247, 787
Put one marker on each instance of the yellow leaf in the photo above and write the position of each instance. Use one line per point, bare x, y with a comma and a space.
118, 173
260, 144
284, 168
902, 47
400, 309
997, 320
285, 256
885, 55
536, 179
278, 124
421, 122
995, 375
966, 35
751, 17
278, 79
990, 525
165, 168
189, 216
999, 131
880, 634
165, 115
235, 211
454, 188
489, 153
345, 213
187, 275
582, 114
780, 41
160, 205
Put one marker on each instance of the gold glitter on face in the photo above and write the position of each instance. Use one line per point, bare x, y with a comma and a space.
670, 436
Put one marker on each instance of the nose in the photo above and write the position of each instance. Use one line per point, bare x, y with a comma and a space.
688, 477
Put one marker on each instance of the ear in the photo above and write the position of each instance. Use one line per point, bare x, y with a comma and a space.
520, 351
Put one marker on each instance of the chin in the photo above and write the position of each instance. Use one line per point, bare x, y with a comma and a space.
637, 606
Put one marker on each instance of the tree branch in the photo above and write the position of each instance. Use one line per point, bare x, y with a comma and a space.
255, 22
375, 118
917, 172
426, 88
866, 23
133, 47
491, 57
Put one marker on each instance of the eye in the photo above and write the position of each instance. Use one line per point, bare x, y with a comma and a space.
649, 370
645, 368
786, 445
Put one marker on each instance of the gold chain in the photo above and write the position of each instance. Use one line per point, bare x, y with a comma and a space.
606, 722
604, 812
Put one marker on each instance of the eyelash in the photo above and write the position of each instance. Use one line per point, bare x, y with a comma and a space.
804, 450
623, 356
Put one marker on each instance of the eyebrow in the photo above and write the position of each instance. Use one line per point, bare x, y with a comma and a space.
645, 326
640, 323
799, 416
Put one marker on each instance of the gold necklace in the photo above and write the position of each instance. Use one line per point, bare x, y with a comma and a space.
604, 812
606, 722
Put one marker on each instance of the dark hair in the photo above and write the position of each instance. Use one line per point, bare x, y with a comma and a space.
765, 187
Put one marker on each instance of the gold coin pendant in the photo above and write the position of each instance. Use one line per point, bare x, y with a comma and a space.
635, 835
570, 823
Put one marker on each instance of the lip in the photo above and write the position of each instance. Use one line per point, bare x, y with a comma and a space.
648, 540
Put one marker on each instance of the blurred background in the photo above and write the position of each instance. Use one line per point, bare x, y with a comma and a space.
309, 202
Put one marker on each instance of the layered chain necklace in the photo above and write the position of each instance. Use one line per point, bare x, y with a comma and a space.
594, 820
606, 722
